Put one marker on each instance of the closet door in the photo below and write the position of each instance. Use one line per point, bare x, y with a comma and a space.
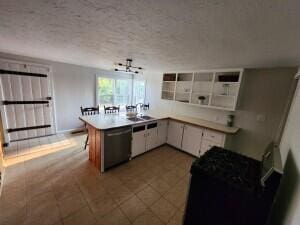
26, 100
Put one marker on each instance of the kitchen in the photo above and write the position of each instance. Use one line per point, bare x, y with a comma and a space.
172, 99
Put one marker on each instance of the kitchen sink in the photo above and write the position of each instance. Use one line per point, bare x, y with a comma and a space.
140, 118
146, 117
135, 119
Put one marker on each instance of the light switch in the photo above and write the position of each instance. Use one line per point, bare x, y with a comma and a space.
261, 118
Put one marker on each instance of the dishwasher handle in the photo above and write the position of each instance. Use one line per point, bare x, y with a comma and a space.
118, 133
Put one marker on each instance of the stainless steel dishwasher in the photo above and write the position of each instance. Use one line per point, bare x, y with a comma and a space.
117, 146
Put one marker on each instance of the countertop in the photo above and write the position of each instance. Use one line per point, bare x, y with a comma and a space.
109, 121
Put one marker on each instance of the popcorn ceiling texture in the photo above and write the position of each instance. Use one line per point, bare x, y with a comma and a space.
159, 35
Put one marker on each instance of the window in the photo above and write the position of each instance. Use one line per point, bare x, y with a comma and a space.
139, 91
105, 90
120, 91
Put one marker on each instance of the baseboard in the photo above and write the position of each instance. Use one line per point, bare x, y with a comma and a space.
71, 131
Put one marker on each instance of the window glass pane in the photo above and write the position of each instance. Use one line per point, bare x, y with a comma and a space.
111, 91
105, 91
139, 91
122, 92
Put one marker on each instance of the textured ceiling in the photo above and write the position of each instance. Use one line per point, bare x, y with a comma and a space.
159, 35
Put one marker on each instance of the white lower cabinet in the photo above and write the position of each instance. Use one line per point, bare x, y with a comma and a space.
162, 132
144, 138
191, 141
151, 138
175, 132
211, 138
138, 140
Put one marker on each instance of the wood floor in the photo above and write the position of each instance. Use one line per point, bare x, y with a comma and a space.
50, 181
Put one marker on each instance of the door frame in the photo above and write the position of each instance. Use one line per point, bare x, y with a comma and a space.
50, 77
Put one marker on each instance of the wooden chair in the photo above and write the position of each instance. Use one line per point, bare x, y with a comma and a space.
143, 106
87, 112
146, 106
111, 109
130, 108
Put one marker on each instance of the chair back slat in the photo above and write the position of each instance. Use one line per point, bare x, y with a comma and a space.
146, 106
89, 111
130, 108
111, 109
143, 106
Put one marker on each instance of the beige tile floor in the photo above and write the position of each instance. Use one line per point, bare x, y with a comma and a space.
49, 181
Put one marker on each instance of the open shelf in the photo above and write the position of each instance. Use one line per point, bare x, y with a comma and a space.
169, 77
195, 99
228, 77
182, 97
210, 89
167, 95
203, 77
184, 77
168, 86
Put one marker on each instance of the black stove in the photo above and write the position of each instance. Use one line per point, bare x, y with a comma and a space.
226, 189
237, 170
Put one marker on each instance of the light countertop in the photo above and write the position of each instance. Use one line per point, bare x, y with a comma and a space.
109, 121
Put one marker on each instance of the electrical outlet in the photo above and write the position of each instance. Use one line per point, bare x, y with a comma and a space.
217, 118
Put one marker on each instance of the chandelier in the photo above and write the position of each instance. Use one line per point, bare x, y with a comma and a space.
128, 68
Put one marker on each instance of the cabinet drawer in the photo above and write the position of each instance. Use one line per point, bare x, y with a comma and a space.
214, 136
207, 145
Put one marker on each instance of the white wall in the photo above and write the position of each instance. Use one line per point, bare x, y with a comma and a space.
290, 145
74, 86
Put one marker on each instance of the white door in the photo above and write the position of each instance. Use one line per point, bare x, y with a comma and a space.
191, 141
138, 140
151, 139
175, 131
162, 132
25, 94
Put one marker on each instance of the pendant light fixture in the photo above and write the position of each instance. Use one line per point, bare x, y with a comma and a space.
128, 68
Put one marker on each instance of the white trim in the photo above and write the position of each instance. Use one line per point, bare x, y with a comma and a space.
46, 66
53, 100
208, 70
70, 130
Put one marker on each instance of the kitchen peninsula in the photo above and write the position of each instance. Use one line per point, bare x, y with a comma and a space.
114, 138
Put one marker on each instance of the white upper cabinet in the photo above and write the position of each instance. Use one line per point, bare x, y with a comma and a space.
175, 131
168, 86
217, 89
191, 141
162, 132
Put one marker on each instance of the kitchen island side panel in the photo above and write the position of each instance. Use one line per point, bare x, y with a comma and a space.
97, 149
94, 146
